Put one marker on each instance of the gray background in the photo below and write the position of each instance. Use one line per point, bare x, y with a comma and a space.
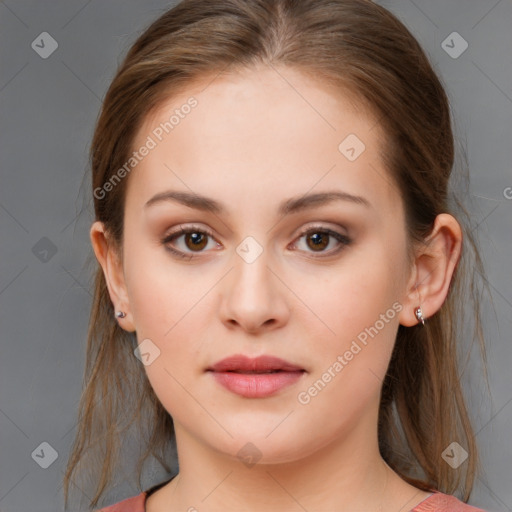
48, 109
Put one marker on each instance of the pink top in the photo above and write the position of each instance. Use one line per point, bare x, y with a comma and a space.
436, 502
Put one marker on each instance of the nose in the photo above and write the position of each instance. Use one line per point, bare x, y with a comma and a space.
254, 298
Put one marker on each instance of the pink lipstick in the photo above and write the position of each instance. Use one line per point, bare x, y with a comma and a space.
255, 377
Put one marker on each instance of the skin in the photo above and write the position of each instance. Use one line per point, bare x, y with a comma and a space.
255, 139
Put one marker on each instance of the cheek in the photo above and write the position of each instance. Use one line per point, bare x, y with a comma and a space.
360, 305
160, 293
349, 370
355, 297
169, 309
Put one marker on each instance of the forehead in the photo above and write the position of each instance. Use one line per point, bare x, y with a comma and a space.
266, 97
270, 132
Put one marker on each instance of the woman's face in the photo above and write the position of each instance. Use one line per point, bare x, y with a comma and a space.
249, 281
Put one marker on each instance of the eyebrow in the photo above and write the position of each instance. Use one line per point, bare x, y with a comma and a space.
292, 205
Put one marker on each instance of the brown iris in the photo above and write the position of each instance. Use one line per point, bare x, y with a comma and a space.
320, 240
198, 240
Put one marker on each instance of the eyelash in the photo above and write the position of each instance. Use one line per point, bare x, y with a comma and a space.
342, 239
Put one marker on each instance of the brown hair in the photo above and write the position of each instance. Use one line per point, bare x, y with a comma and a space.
360, 47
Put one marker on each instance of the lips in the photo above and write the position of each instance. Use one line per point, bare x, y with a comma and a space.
262, 364
258, 377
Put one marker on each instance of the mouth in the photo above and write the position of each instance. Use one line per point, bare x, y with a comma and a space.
259, 377
240, 363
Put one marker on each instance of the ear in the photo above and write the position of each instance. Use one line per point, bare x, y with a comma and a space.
110, 262
433, 269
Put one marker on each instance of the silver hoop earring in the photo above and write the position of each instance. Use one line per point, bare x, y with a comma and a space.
419, 315
120, 314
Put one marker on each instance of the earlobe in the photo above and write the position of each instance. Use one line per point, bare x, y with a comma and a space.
434, 266
108, 258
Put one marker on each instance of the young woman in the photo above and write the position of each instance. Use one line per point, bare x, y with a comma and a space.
282, 271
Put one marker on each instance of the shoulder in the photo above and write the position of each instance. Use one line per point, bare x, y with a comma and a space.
133, 504
440, 502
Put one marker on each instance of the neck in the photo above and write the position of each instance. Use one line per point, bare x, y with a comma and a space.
346, 474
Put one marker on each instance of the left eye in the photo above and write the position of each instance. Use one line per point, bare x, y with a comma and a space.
318, 239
